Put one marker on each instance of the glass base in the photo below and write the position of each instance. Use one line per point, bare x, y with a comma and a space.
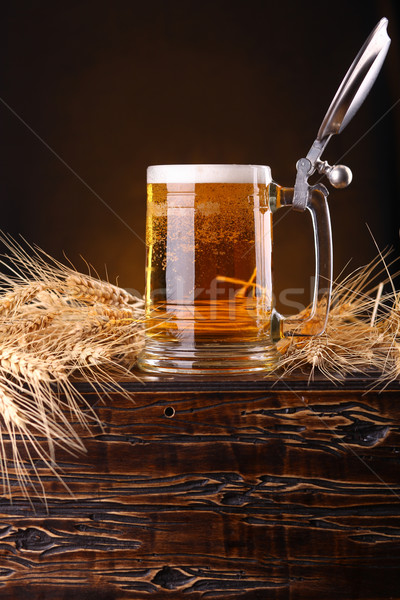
207, 359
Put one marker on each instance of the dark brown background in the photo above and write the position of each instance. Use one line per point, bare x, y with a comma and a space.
112, 87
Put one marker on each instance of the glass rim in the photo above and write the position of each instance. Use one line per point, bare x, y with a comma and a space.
209, 173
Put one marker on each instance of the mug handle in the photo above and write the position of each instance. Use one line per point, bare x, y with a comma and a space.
314, 323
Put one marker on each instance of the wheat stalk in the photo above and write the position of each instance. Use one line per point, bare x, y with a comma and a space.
11, 301
90, 290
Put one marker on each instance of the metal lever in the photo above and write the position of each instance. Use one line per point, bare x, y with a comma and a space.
349, 97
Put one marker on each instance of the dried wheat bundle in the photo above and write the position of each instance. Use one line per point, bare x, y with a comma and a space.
361, 336
56, 325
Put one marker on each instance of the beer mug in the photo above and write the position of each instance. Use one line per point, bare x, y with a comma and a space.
209, 289
209, 292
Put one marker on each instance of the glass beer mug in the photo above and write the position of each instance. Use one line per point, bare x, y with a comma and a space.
209, 290
209, 293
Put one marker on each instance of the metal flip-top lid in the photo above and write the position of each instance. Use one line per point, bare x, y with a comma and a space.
351, 94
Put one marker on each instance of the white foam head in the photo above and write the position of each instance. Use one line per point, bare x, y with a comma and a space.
255, 174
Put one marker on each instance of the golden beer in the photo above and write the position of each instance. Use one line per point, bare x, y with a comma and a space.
208, 273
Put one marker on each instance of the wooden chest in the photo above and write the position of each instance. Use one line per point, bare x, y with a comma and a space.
242, 489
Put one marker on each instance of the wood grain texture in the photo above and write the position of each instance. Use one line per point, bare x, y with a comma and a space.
240, 494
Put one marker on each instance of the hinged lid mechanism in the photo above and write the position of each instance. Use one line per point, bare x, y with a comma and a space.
351, 94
